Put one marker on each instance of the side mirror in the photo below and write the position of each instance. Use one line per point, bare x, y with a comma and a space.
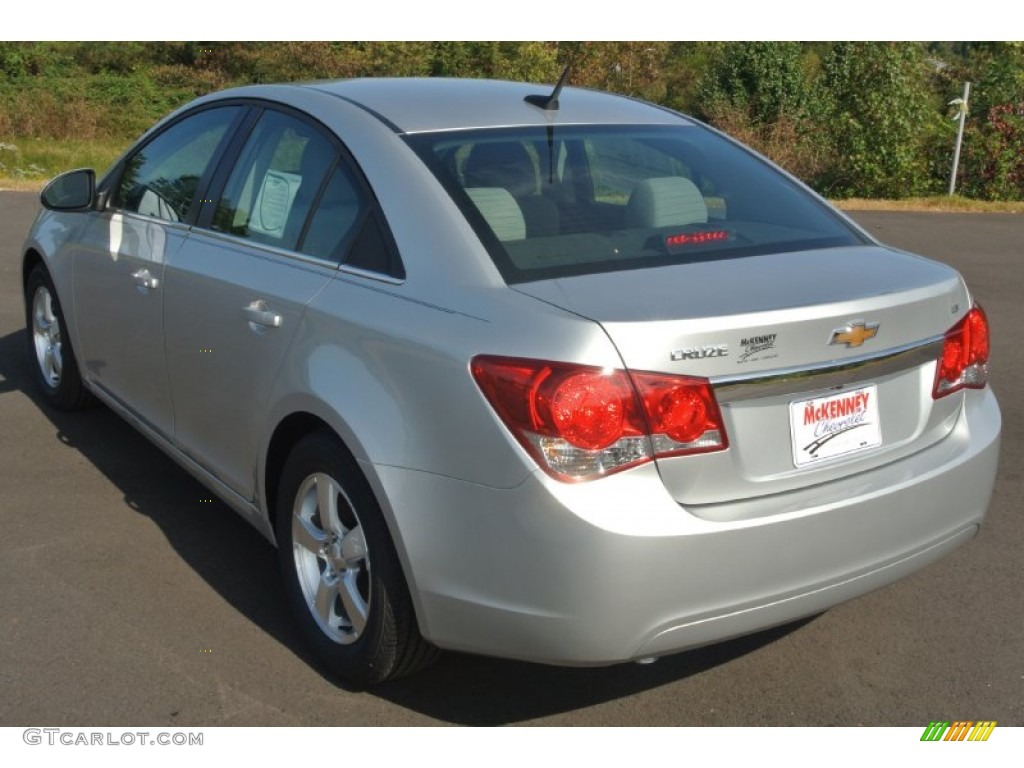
71, 191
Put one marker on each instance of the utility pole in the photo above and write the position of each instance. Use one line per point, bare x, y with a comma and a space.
962, 107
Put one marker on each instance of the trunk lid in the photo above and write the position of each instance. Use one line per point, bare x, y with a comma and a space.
760, 328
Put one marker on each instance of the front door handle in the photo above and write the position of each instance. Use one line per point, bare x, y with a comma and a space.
143, 279
258, 313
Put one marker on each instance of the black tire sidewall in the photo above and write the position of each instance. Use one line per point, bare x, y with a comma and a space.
371, 657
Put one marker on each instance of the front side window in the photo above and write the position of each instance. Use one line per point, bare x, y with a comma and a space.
275, 182
161, 179
584, 199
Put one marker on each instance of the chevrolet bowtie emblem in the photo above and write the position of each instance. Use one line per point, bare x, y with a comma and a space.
854, 334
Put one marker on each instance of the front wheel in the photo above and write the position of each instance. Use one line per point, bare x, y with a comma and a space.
341, 573
52, 358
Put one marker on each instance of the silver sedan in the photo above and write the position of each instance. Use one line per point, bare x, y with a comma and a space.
550, 375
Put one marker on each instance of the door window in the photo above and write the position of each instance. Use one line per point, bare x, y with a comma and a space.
275, 182
162, 178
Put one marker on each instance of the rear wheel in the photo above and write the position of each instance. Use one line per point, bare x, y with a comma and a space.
340, 569
53, 360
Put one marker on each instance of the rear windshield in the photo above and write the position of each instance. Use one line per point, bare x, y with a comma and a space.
551, 202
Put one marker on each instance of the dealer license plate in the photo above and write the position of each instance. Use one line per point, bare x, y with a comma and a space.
829, 427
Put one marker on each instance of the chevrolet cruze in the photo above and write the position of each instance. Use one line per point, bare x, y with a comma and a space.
552, 375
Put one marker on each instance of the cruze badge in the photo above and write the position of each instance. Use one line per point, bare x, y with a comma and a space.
854, 334
699, 353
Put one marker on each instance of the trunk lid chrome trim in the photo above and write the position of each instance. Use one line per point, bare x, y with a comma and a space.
792, 381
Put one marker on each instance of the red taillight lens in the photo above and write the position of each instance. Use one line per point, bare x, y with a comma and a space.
964, 360
977, 327
589, 409
581, 422
682, 412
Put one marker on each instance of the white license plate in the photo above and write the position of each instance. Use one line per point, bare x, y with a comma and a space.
828, 427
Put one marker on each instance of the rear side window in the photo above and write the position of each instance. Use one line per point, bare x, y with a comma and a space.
334, 223
161, 179
275, 182
584, 199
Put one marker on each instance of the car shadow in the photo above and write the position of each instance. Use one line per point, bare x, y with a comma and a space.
473, 690
241, 567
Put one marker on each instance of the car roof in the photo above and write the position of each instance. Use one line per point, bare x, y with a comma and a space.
416, 105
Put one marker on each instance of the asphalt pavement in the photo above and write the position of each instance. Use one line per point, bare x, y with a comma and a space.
128, 597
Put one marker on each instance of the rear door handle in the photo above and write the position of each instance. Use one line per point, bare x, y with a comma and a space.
258, 313
143, 279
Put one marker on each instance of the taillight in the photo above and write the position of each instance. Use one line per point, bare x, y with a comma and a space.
580, 422
964, 360
588, 409
682, 413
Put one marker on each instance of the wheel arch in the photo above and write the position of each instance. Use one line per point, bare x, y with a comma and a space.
299, 408
292, 428
29, 262
294, 424
288, 432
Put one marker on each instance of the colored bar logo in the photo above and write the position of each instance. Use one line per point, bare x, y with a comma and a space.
960, 730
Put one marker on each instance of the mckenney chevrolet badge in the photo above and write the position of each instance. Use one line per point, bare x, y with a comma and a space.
828, 427
542, 374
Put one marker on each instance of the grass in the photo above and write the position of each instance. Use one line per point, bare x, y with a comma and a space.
940, 203
28, 163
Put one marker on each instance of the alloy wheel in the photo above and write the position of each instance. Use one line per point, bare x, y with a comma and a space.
46, 337
331, 558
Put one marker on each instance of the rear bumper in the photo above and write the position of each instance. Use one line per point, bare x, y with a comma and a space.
613, 570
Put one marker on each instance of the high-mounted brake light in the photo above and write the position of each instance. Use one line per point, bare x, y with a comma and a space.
697, 238
965, 351
580, 422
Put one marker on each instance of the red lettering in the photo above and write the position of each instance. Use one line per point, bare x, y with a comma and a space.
809, 414
833, 409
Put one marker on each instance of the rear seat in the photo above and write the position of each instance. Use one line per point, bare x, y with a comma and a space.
507, 165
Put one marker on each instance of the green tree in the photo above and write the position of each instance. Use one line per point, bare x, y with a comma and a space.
995, 71
992, 163
632, 68
764, 80
684, 67
502, 60
881, 117
766, 95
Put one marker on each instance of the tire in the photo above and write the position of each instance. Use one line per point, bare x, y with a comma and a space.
51, 356
341, 573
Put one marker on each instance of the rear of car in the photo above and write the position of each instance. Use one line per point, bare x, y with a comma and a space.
797, 414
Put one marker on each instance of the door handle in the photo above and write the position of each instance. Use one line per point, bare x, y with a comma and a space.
143, 279
259, 313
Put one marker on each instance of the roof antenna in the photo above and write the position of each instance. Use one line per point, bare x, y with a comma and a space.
550, 103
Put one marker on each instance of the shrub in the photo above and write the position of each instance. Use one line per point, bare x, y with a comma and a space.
993, 165
880, 115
